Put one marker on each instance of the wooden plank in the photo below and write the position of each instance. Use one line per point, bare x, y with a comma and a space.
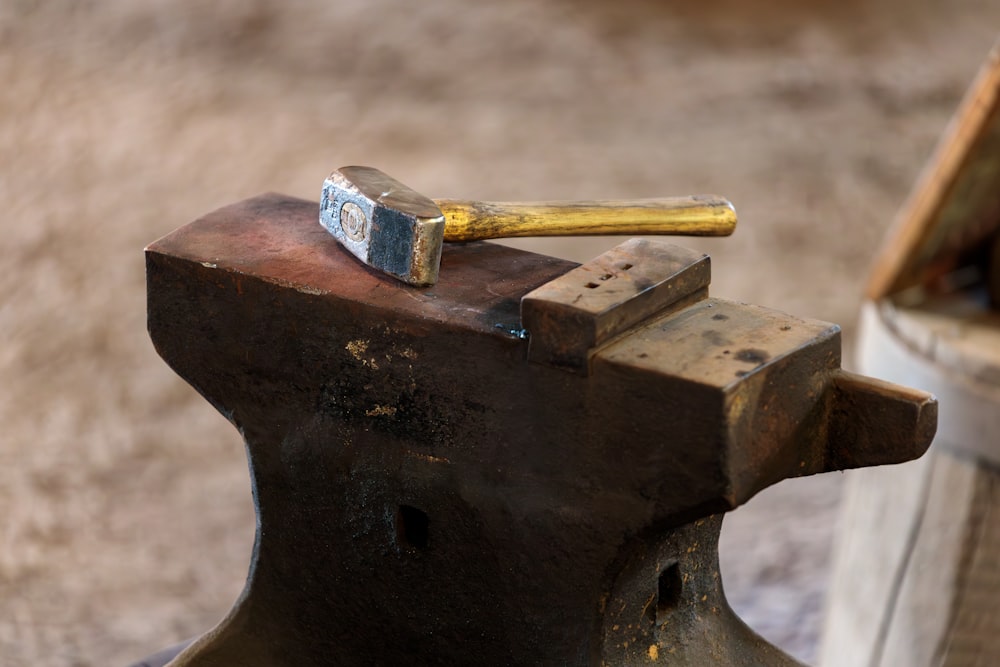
916, 574
974, 638
958, 332
922, 618
916, 578
871, 550
956, 202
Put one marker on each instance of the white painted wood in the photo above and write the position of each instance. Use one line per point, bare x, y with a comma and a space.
879, 510
916, 578
921, 616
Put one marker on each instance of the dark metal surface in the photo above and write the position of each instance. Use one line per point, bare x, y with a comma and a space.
571, 316
426, 494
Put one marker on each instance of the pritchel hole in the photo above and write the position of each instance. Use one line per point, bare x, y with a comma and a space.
668, 592
411, 527
591, 285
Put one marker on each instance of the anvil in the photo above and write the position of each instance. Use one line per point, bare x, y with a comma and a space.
525, 464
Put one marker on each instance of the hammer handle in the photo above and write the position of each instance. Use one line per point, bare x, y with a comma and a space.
697, 215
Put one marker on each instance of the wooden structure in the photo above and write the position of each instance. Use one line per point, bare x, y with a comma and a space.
917, 571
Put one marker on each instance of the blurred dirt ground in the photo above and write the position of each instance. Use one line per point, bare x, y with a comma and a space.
126, 515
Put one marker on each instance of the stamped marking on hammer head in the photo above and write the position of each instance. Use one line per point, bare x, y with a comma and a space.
384, 223
353, 221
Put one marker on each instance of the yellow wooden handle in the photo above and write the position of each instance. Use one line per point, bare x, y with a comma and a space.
698, 215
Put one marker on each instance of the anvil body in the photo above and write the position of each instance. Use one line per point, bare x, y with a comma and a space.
435, 484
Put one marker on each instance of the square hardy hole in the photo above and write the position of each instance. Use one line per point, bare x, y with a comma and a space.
411, 527
668, 592
666, 597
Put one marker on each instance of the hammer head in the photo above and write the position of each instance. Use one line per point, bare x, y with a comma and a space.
385, 224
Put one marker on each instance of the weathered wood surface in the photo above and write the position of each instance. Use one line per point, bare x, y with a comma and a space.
955, 205
916, 578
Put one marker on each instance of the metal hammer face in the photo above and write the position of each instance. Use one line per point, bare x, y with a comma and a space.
384, 223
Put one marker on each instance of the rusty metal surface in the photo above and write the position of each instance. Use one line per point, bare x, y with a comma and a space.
426, 494
571, 316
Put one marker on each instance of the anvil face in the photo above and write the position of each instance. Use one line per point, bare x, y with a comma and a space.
429, 492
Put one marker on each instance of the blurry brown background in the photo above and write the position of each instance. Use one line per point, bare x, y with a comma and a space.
125, 514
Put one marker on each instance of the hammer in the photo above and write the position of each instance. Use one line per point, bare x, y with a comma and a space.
399, 231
